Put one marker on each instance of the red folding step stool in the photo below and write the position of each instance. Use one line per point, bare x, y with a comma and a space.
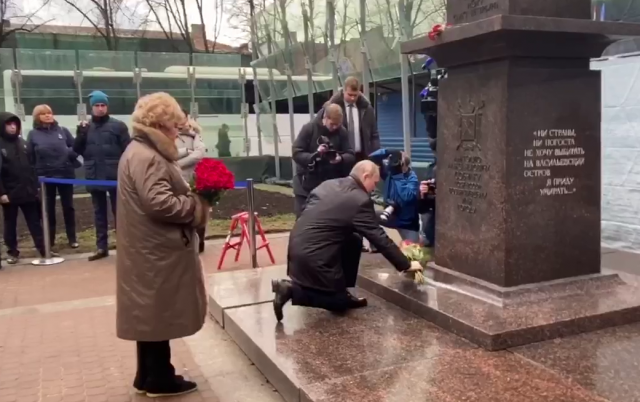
243, 219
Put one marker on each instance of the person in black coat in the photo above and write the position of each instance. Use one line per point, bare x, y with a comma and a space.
321, 152
325, 244
18, 187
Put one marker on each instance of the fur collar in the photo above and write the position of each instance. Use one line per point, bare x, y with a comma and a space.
156, 139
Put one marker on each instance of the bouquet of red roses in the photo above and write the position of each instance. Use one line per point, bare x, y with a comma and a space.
211, 179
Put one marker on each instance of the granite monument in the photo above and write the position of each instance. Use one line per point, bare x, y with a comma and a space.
518, 181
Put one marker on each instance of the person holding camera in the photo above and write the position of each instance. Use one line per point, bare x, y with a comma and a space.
400, 193
427, 206
322, 152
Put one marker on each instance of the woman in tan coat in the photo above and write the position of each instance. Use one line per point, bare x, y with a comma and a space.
160, 285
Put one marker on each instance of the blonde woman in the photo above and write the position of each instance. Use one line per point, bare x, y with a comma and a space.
191, 150
51, 151
160, 285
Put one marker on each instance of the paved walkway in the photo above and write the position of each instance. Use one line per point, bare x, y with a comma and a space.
58, 343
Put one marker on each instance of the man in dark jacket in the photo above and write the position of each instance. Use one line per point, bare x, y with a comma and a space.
18, 187
322, 152
101, 142
324, 250
360, 119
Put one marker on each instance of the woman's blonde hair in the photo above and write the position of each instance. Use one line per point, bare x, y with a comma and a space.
39, 111
158, 110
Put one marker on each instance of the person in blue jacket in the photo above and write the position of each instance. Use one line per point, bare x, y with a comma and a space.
50, 149
101, 142
400, 190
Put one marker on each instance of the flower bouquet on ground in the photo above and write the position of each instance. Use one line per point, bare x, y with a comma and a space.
415, 252
211, 179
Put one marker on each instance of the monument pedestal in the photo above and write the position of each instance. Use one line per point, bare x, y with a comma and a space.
518, 178
497, 318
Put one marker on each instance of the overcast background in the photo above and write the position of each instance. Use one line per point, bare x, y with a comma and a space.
57, 12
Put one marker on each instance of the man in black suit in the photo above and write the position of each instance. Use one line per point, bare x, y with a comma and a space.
326, 242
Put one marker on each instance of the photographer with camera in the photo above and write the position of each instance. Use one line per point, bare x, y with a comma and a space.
427, 202
400, 193
322, 152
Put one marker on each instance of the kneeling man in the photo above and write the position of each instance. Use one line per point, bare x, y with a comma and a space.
325, 244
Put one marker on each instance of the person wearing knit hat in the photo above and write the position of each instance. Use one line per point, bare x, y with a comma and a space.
101, 141
98, 97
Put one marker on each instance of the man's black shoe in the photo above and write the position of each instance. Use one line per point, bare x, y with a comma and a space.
283, 292
98, 255
179, 386
357, 302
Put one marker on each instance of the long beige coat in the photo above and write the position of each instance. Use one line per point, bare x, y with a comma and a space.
160, 286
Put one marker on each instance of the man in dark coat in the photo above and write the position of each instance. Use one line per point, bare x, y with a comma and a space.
101, 142
359, 119
18, 187
321, 152
325, 244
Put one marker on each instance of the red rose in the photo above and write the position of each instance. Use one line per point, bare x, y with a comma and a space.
211, 179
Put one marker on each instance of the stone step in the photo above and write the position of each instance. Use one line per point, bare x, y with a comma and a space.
241, 288
499, 318
378, 353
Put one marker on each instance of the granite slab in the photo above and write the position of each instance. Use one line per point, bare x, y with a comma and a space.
241, 288
604, 362
475, 376
312, 346
496, 327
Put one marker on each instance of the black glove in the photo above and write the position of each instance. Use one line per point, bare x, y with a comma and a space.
82, 129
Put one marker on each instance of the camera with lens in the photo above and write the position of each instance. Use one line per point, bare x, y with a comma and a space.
329, 154
388, 211
394, 163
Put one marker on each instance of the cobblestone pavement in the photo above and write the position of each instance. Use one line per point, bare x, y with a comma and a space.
58, 343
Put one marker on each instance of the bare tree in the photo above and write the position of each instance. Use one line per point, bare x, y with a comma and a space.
171, 16
13, 19
173, 19
105, 16
253, 17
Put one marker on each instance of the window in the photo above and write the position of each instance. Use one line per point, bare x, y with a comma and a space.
58, 92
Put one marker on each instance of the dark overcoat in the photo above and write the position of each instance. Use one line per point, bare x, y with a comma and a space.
336, 209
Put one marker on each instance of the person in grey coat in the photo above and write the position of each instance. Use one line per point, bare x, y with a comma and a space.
191, 150
101, 142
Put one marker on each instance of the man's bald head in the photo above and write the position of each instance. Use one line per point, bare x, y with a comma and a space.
368, 173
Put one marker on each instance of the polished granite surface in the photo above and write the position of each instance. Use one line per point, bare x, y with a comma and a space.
494, 327
381, 353
605, 362
241, 288
313, 345
475, 376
